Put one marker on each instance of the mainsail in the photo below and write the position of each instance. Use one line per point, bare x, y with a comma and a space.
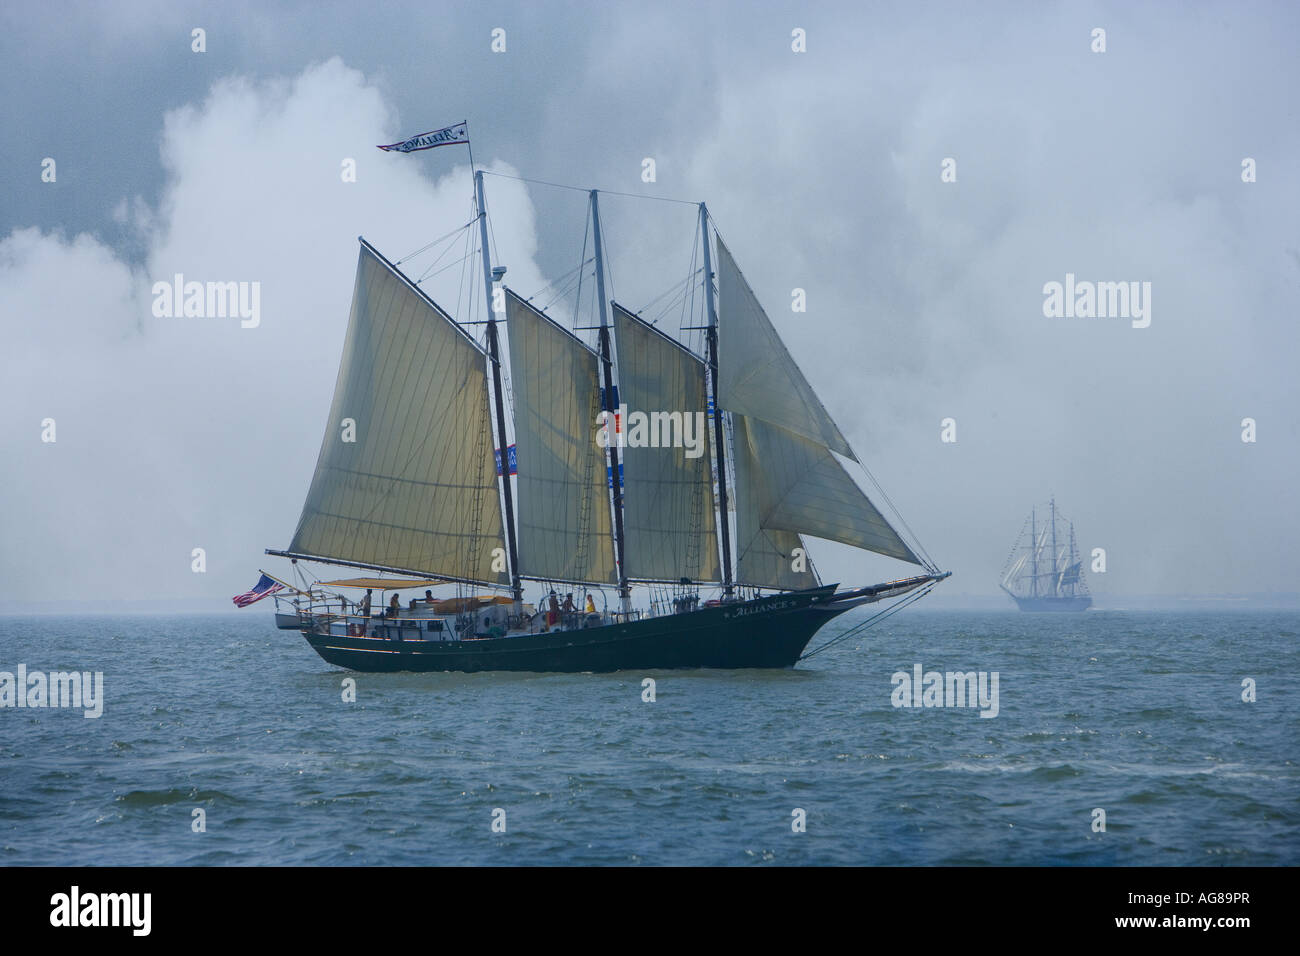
411, 482
563, 502
668, 510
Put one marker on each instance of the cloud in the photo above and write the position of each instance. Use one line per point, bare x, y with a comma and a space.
182, 433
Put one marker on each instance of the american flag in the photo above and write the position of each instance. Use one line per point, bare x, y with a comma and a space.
265, 585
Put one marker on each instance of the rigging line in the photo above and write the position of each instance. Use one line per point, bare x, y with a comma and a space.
450, 265
582, 262
429, 269
924, 555
566, 278
583, 189
608, 263
435, 242
902, 602
688, 315
561, 293
462, 286
676, 290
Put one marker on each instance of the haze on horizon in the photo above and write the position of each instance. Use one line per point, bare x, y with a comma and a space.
823, 172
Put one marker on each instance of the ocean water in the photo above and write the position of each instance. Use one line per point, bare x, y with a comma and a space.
1138, 714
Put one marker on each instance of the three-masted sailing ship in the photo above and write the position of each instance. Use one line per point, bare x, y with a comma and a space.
448, 479
1044, 571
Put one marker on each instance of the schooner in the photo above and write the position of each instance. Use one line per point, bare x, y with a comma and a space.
450, 480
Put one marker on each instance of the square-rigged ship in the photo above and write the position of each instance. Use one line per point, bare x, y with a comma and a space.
1044, 571
421, 490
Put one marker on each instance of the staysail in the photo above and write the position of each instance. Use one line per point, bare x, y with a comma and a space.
668, 511
563, 503
765, 557
406, 476
785, 446
756, 374
807, 490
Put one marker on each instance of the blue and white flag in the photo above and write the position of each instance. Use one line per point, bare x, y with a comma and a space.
448, 136
513, 459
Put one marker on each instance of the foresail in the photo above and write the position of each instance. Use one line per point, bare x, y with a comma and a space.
765, 557
805, 489
406, 476
756, 375
668, 511
563, 495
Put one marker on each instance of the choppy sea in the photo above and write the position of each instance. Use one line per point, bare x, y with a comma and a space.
1137, 714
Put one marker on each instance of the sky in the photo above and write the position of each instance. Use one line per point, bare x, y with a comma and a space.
823, 171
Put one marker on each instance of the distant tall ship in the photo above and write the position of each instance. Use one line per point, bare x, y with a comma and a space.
1044, 571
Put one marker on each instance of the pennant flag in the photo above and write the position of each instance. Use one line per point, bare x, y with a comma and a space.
265, 585
448, 136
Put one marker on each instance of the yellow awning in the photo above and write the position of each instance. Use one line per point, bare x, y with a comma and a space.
380, 584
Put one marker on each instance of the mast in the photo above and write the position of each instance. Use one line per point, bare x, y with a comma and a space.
1033, 551
719, 443
1055, 580
1074, 580
611, 411
494, 355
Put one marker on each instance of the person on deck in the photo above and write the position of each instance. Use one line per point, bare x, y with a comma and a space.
591, 605
553, 612
428, 596
568, 607
364, 610
394, 605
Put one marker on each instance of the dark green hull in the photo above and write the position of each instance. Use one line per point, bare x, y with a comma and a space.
767, 632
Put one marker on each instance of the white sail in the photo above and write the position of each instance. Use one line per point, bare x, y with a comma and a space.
765, 557
805, 489
756, 375
406, 476
668, 521
563, 496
